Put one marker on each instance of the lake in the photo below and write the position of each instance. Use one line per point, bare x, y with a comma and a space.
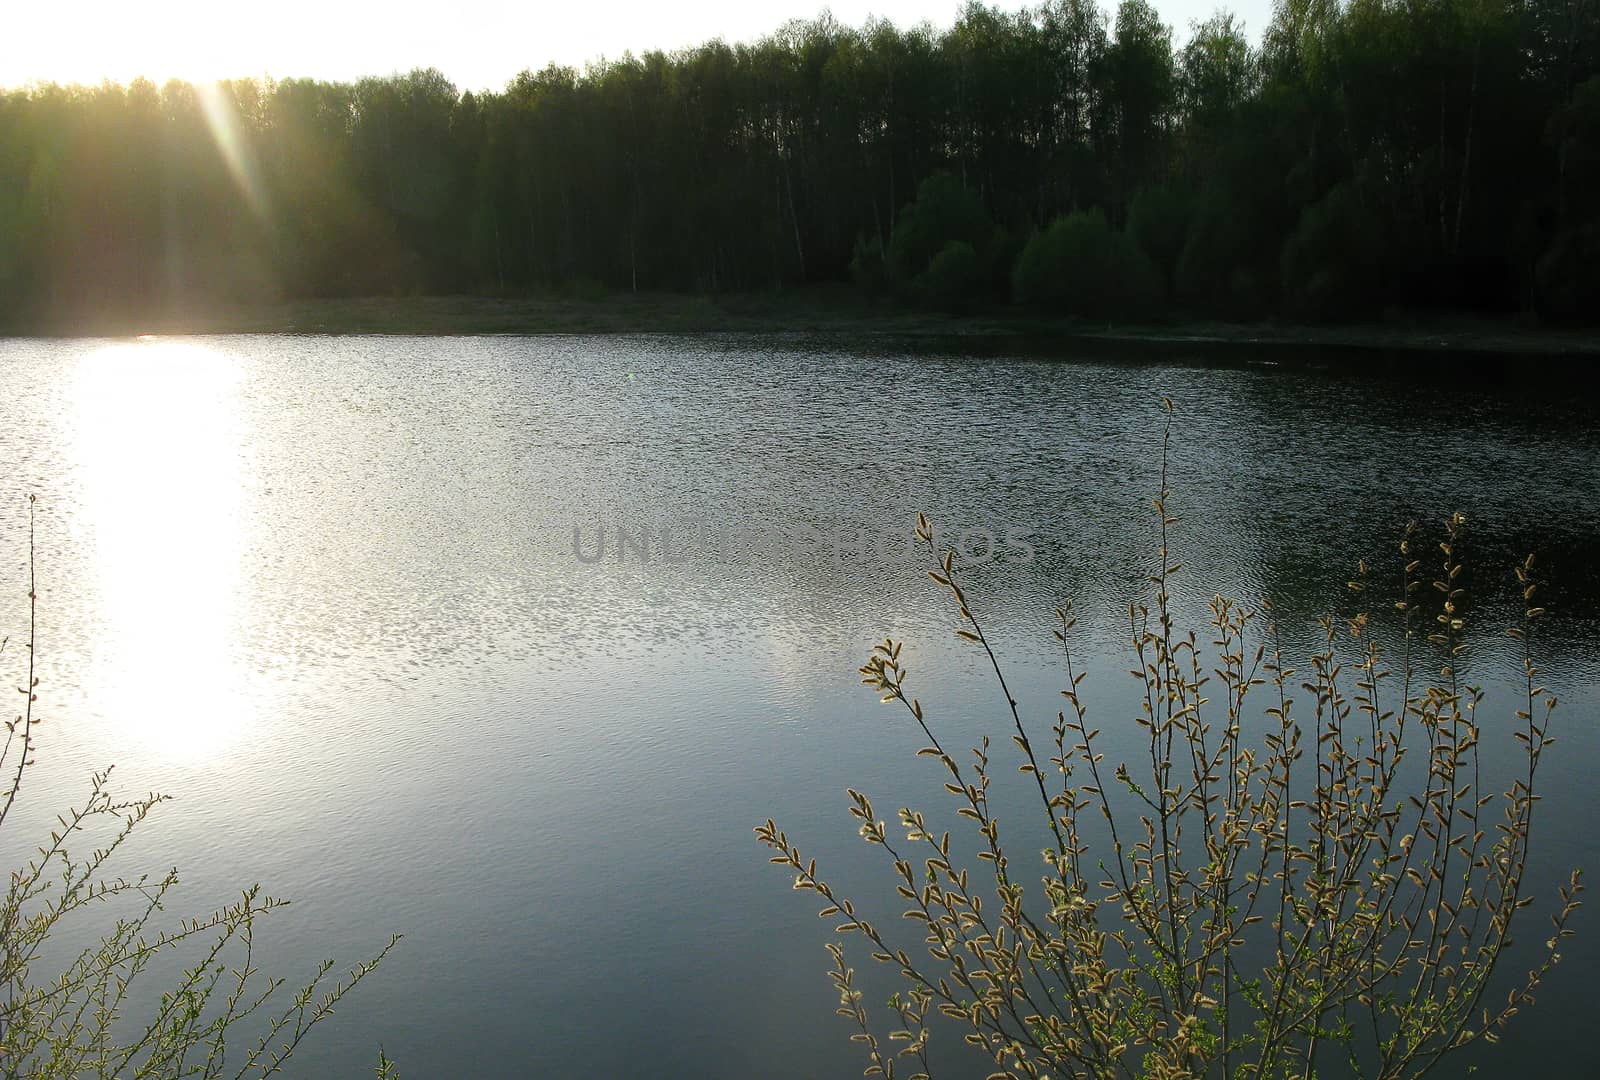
506, 643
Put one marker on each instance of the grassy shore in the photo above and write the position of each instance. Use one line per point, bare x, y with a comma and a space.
821, 310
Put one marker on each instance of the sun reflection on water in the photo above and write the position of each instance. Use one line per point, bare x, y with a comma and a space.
158, 445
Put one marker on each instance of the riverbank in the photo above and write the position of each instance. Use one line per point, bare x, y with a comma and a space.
824, 310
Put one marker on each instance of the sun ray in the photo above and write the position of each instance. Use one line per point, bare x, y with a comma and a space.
222, 116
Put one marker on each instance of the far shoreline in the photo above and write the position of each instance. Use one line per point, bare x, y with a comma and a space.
826, 311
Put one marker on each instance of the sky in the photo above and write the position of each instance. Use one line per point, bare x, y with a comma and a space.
478, 44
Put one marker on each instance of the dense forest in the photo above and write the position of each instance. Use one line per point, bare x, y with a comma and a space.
1367, 156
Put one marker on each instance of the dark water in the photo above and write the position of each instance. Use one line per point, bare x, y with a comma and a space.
327, 592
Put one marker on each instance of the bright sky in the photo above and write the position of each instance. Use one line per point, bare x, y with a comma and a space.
477, 43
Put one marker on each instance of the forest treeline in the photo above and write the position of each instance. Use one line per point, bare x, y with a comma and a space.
1367, 155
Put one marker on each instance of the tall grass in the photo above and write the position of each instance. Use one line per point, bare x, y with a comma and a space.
110, 1009
1303, 869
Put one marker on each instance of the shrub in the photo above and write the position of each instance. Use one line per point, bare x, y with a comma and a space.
221, 1017
944, 211
1568, 274
1214, 253
1004, 249
1331, 263
1158, 221
1273, 889
867, 268
1081, 266
954, 280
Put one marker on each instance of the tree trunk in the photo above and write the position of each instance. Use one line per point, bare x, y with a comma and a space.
1466, 151
788, 183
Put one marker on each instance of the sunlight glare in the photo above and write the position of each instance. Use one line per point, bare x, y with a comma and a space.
158, 448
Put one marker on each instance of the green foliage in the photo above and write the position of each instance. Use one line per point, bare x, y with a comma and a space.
1218, 269
758, 165
1141, 89
1217, 74
1212, 266
945, 212
1303, 868
955, 280
1568, 271
1081, 266
867, 268
1005, 248
1332, 262
1258, 179
1158, 222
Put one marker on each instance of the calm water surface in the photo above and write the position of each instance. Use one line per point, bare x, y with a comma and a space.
341, 597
